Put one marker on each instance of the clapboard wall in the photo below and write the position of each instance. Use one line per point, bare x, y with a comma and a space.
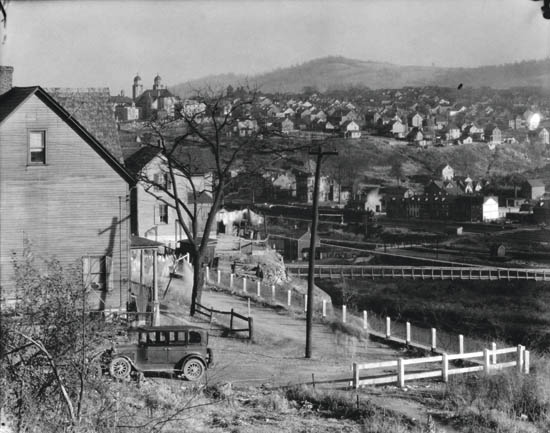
73, 206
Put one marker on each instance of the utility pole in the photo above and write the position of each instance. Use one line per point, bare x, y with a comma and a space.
311, 267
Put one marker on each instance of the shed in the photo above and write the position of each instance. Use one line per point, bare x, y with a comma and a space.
498, 250
304, 243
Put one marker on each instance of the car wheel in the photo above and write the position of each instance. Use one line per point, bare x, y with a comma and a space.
120, 368
193, 369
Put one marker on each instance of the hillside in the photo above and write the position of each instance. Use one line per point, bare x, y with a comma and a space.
334, 73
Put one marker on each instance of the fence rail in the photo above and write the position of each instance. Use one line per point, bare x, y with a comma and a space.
420, 272
209, 313
488, 363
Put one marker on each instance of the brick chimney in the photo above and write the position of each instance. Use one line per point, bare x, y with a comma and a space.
6, 75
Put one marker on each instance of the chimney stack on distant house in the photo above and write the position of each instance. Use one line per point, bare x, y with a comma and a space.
6, 77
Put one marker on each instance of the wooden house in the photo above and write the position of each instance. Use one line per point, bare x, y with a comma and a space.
64, 191
153, 214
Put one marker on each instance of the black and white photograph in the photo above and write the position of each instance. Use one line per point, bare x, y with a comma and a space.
264, 216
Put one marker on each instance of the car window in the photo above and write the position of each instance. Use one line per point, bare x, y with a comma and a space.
194, 337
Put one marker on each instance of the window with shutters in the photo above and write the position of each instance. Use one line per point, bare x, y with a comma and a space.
37, 147
96, 272
162, 182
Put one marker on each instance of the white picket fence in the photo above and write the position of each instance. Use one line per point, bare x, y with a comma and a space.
488, 362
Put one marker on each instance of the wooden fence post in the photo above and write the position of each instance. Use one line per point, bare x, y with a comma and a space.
207, 272
258, 289
400, 373
526, 357
355, 376
388, 327
445, 368
493, 353
486, 360
408, 333
519, 358
231, 276
324, 308
250, 328
289, 297
248, 307
244, 284
434, 339
461, 343
365, 322
343, 314
219, 276
231, 321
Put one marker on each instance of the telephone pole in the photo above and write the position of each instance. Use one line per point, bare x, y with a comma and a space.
311, 267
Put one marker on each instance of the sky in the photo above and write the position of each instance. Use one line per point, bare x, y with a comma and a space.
104, 43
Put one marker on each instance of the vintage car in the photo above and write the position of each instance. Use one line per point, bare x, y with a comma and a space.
176, 350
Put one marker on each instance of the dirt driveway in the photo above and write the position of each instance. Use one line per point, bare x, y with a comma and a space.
275, 357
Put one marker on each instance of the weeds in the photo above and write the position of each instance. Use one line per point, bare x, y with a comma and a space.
501, 402
344, 405
336, 325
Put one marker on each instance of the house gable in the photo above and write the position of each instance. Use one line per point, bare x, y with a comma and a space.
70, 207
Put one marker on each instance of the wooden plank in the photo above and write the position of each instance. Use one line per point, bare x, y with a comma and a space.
425, 360
381, 364
502, 365
378, 380
465, 370
506, 350
423, 375
470, 355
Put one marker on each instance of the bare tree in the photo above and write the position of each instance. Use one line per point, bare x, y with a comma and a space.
214, 134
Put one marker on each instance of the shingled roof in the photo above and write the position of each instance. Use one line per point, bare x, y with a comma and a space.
90, 106
139, 159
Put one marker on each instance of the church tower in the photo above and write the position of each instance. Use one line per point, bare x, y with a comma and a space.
137, 88
157, 85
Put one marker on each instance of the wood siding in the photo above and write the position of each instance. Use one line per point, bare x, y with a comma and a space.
73, 206
146, 221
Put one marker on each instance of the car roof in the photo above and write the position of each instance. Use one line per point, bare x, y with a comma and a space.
169, 328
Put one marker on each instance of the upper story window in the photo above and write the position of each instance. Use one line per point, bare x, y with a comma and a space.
37, 147
163, 214
162, 182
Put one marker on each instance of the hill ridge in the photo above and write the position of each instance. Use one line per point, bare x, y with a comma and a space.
339, 73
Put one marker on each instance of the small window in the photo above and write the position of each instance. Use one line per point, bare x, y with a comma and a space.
163, 213
37, 147
162, 182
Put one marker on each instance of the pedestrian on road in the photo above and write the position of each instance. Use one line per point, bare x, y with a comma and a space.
233, 266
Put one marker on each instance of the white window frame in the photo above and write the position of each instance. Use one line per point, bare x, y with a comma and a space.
42, 133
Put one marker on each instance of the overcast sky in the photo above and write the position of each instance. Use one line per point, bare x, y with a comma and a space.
103, 43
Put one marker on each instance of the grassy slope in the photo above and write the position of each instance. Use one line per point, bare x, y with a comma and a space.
374, 158
508, 311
